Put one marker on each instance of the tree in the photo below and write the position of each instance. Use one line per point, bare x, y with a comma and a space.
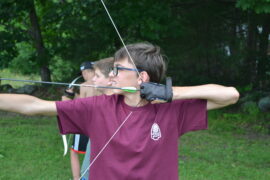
13, 18
257, 60
75, 31
257, 6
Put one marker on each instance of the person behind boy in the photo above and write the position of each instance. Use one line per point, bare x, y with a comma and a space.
132, 138
102, 69
80, 141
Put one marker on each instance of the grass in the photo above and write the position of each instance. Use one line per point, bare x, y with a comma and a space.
31, 148
210, 156
230, 149
6, 73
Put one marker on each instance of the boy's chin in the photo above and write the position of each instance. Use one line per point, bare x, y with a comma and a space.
117, 91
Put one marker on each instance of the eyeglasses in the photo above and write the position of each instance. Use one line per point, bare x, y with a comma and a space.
116, 68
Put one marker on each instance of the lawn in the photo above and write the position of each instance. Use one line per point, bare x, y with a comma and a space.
31, 148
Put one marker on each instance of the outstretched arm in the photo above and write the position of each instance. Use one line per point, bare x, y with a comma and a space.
217, 96
28, 105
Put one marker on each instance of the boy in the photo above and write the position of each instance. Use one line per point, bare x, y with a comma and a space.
130, 137
80, 141
102, 69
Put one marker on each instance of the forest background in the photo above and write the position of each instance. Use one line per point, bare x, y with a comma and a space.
205, 41
213, 41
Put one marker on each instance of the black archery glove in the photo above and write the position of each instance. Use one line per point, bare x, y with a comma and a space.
157, 92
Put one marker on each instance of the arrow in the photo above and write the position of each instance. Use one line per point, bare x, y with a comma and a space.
126, 89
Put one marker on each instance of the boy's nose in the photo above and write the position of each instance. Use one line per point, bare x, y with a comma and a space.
111, 74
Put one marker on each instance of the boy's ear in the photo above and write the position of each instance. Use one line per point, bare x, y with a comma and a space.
144, 77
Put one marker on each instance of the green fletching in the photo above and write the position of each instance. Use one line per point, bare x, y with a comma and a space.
129, 89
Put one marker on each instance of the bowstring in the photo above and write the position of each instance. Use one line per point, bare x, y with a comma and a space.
119, 35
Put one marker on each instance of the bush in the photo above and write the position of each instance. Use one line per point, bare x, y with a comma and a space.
63, 70
25, 61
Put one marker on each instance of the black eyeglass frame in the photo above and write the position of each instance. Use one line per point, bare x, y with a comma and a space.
116, 68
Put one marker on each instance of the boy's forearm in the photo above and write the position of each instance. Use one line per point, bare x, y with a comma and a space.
208, 91
14, 102
26, 104
216, 95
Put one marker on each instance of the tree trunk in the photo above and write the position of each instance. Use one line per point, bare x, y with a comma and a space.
42, 55
263, 61
250, 61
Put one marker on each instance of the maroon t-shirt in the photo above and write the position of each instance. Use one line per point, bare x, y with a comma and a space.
145, 148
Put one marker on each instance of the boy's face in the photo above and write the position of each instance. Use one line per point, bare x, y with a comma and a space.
124, 78
100, 79
88, 74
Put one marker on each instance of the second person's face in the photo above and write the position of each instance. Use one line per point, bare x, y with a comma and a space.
100, 79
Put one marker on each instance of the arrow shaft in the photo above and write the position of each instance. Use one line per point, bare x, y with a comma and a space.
33, 81
63, 84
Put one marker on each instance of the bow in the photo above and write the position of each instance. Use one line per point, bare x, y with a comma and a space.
64, 137
73, 82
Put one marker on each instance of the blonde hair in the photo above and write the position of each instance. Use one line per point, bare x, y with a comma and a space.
104, 65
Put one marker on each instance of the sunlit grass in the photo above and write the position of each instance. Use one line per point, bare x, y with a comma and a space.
6, 73
209, 156
31, 148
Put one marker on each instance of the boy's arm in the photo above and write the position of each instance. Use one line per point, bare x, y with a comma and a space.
217, 96
26, 104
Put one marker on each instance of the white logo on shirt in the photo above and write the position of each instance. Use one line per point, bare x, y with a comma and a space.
155, 132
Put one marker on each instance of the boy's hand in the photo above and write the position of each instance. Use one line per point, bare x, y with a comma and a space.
157, 93
68, 93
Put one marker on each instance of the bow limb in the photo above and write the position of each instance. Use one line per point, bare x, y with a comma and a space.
73, 82
64, 137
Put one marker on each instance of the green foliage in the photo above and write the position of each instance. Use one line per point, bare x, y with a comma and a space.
251, 109
12, 29
25, 61
226, 122
62, 70
208, 37
244, 89
77, 31
7, 73
259, 6
250, 120
205, 42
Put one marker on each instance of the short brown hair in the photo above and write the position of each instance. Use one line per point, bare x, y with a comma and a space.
146, 57
104, 65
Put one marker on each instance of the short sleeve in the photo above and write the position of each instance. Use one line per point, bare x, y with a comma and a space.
74, 115
192, 116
